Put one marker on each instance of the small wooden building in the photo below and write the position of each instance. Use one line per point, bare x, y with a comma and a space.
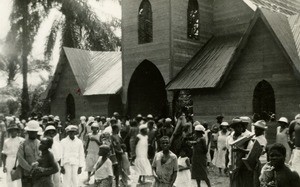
86, 83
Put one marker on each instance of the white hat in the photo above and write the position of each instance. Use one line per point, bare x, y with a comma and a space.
297, 116
196, 123
91, 119
199, 128
149, 116
50, 127
139, 116
261, 124
224, 123
168, 120
82, 118
71, 128
95, 124
283, 120
245, 119
40, 131
32, 125
56, 118
143, 126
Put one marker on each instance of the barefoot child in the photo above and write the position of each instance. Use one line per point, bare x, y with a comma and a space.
142, 164
103, 168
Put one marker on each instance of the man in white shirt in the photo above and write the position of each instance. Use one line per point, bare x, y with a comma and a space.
72, 159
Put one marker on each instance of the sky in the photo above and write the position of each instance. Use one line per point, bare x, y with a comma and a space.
103, 10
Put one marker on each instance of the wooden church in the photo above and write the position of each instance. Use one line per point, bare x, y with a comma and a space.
235, 57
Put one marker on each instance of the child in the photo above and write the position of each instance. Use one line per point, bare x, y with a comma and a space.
142, 164
184, 173
103, 168
91, 149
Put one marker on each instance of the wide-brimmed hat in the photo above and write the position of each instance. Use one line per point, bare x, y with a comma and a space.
245, 119
283, 120
225, 124
199, 128
261, 124
70, 128
12, 126
32, 125
50, 127
235, 121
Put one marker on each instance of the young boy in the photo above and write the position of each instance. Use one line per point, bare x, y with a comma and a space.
103, 168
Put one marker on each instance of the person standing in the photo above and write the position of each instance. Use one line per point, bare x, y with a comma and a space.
184, 173
72, 157
282, 136
199, 162
28, 152
103, 168
91, 149
276, 172
142, 164
56, 150
82, 128
9, 154
220, 153
133, 132
164, 165
45, 166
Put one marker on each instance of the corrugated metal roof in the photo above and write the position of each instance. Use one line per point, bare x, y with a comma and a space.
106, 74
96, 72
287, 7
79, 61
295, 25
282, 29
207, 67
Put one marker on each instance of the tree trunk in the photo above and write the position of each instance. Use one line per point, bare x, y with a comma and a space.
25, 107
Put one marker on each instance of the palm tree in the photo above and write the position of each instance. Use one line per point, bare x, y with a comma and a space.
80, 28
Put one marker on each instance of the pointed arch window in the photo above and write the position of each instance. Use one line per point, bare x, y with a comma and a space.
193, 20
145, 26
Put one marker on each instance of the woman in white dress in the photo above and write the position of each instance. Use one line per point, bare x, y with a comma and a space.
282, 136
220, 152
142, 164
9, 153
184, 173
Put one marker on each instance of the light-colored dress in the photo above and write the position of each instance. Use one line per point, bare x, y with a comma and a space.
282, 137
10, 149
142, 164
219, 156
92, 152
184, 176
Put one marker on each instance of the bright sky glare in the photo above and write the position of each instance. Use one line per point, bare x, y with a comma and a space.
104, 11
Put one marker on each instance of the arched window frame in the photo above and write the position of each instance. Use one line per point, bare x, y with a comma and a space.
193, 20
145, 24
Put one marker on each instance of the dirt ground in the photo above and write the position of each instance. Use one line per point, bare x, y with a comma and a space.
214, 176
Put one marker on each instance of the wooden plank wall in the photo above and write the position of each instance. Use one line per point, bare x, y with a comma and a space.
183, 48
91, 105
231, 16
261, 59
158, 52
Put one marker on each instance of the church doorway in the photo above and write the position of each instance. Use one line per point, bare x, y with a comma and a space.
70, 107
146, 91
263, 100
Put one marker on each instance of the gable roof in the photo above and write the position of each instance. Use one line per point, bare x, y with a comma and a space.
96, 72
211, 65
207, 67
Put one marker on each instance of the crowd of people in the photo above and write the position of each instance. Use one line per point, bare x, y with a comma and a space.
174, 151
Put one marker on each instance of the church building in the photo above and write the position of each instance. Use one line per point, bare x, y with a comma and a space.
234, 57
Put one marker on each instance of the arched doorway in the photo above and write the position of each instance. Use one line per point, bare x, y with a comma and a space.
70, 107
115, 104
146, 91
263, 100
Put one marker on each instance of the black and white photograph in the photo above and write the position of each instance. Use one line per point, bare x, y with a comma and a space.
150, 93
